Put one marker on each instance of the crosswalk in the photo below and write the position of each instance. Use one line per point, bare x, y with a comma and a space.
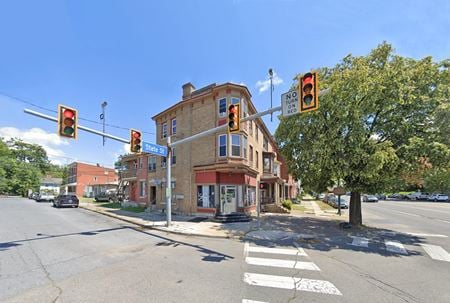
273, 258
433, 251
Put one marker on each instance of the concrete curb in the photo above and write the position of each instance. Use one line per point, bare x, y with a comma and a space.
158, 228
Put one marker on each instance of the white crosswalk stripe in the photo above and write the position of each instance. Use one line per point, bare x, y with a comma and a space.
251, 301
360, 241
282, 263
436, 252
302, 284
279, 251
395, 247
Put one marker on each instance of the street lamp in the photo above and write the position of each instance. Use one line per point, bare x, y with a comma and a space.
102, 117
271, 90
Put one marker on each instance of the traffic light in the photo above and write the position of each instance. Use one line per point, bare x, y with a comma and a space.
309, 92
67, 122
135, 141
234, 120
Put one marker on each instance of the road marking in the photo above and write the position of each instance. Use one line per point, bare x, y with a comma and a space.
282, 263
246, 246
359, 241
445, 221
402, 212
427, 235
436, 252
280, 251
251, 301
395, 247
319, 286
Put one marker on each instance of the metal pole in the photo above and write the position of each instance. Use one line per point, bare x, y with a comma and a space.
271, 91
169, 183
102, 117
87, 129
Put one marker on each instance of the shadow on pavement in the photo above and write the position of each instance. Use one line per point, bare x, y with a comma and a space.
327, 235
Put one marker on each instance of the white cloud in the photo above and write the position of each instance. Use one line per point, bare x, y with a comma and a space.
126, 148
49, 141
264, 85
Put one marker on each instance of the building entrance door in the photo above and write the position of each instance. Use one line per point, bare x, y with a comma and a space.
152, 194
228, 199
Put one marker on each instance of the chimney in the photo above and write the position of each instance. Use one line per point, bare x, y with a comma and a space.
188, 88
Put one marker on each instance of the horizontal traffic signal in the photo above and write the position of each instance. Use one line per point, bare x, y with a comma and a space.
135, 141
67, 122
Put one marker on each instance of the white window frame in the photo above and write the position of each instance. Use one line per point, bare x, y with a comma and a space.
222, 114
140, 162
173, 127
142, 188
164, 130
231, 145
218, 144
152, 161
244, 147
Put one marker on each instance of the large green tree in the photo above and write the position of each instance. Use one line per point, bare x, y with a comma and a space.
378, 106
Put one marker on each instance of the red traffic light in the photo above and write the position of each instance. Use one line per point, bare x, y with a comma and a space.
135, 141
233, 118
136, 135
309, 92
67, 122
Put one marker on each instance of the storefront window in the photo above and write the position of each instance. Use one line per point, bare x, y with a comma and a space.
205, 196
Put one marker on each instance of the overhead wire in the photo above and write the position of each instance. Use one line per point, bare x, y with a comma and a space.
54, 111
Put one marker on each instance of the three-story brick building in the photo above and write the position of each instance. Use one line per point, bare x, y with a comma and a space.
217, 173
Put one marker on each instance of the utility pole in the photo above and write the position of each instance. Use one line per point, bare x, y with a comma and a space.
102, 117
169, 183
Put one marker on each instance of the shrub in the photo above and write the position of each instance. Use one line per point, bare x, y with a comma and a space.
287, 204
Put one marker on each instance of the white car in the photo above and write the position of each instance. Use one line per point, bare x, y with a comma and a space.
438, 197
46, 197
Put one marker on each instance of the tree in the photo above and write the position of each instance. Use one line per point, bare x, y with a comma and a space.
377, 104
30, 153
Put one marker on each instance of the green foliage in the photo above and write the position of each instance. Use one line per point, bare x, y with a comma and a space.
438, 181
33, 154
287, 204
367, 129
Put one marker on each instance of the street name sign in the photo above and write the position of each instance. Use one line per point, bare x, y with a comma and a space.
289, 103
154, 149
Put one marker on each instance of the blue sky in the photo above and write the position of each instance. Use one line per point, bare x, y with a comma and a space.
136, 55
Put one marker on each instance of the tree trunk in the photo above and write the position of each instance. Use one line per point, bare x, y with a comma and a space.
355, 209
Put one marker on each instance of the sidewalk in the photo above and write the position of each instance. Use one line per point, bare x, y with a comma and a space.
270, 226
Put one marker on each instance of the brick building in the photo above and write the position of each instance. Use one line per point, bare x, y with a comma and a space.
217, 173
87, 180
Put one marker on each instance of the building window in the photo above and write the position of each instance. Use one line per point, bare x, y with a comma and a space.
222, 145
95, 179
205, 196
236, 145
267, 165
256, 132
257, 159
223, 107
152, 163
265, 143
235, 101
164, 130
244, 147
251, 155
174, 156
140, 162
142, 188
250, 126
174, 126
163, 161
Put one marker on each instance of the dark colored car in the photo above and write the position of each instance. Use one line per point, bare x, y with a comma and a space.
106, 196
66, 200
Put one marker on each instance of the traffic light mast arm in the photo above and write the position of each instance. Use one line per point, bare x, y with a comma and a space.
86, 129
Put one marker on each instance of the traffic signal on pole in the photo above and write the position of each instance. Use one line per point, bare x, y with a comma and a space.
67, 121
234, 120
309, 92
135, 141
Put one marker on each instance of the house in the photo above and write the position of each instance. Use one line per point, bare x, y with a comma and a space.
86, 180
218, 173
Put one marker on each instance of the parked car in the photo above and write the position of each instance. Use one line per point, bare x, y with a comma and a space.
66, 200
106, 196
396, 196
34, 195
345, 201
413, 196
381, 196
321, 196
438, 197
423, 196
369, 198
47, 197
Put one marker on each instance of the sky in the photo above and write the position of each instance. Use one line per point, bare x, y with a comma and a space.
136, 55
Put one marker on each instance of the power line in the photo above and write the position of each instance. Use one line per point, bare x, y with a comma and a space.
54, 111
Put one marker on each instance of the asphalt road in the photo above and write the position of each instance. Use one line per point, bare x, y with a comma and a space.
73, 255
